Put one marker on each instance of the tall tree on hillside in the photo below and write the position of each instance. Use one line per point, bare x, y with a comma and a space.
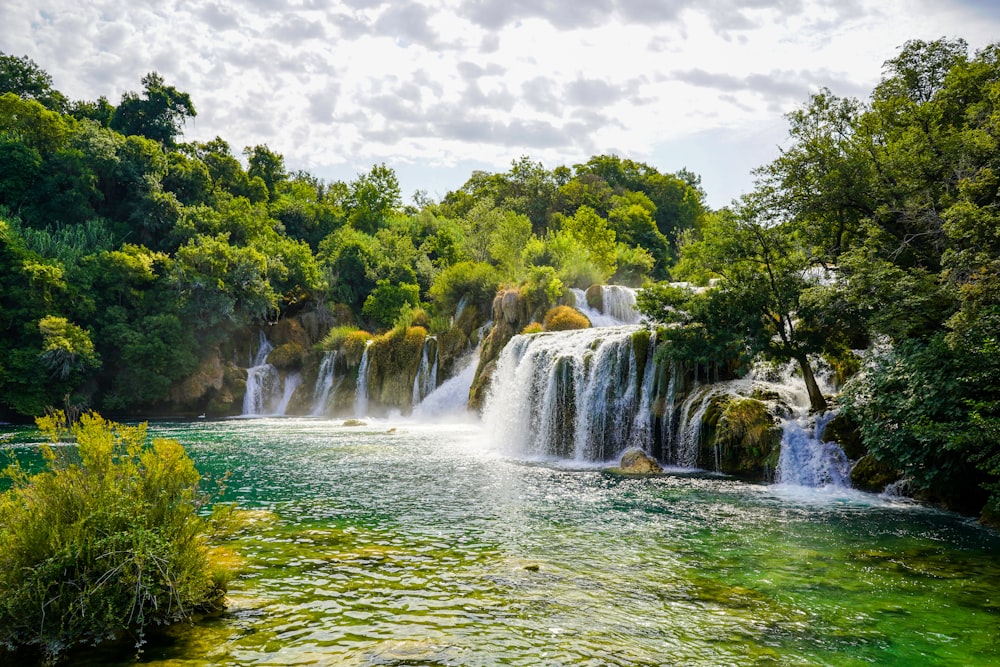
28, 81
158, 114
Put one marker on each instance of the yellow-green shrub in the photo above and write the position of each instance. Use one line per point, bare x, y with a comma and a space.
564, 318
104, 543
533, 327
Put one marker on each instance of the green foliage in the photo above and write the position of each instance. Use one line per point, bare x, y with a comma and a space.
386, 300
336, 337
476, 282
66, 348
158, 114
105, 543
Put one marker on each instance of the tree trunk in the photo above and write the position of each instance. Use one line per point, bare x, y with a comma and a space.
817, 403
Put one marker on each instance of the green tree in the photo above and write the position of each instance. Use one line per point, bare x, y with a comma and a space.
158, 114
24, 78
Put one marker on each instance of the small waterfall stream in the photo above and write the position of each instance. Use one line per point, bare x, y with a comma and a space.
361, 389
267, 392
569, 394
425, 381
326, 381
452, 397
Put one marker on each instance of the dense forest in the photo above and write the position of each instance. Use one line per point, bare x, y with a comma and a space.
870, 245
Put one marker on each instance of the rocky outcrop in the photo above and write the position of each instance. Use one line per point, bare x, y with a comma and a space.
215, 388
393, 362
638, 462
870, 474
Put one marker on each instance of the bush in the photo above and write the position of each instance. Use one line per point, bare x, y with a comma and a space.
533, 327
354, 346
103, 544
386, 300
475, 281
336, 337
564, 318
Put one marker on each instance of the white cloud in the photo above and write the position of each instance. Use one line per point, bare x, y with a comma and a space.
438, 87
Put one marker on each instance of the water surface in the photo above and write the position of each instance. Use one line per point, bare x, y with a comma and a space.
406, 544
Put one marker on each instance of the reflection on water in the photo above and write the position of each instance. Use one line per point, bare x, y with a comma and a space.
406, 544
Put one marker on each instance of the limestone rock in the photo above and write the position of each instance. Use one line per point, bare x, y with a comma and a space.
638, 462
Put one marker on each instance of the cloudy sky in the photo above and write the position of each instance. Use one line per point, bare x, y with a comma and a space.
438, 88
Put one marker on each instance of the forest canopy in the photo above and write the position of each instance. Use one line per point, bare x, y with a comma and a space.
125, 251
871, 244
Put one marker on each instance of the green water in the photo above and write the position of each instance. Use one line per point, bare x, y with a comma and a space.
421, 547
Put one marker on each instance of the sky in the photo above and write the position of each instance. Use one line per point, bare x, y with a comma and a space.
438, 88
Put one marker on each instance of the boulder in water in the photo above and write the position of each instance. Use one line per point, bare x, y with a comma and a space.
638, 462
870, 474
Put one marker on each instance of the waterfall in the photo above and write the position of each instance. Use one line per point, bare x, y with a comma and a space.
570, 394
425, 381
618, 306
288, 387
806, 460
452, 397
262, 379
361, 391
619, 303
326, 379
267, 392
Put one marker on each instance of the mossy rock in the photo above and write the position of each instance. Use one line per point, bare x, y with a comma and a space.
870, 474
394, 359
845, 432
747, 437
565, 318
638, 462
354, 346
287, 357
288, 330
595, 297
480, 385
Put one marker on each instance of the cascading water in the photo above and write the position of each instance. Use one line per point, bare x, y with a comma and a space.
361, 390
618, 306
326, 381
262, 379
425, 381
452, 397
806, 460
569, 394
267, 393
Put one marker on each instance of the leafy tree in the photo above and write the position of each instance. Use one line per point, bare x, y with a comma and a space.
66, 348
267, 165
158, 114
24, 78
372, 199
387, 299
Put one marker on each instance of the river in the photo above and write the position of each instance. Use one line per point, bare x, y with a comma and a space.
401, 543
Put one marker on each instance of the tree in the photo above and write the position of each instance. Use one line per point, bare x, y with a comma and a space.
158, 114
373, 198
758, 305
23, 77
267, 165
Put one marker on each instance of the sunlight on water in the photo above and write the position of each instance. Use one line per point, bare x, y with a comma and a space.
400, 543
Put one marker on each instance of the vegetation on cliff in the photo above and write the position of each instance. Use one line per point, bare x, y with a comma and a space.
126, 253
876, 228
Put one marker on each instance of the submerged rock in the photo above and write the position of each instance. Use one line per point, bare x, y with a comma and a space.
638, 462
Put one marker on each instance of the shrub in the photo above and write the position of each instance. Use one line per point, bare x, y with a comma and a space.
533, 327
287, 356
354, 346
336, 337
475, 281
564, 318
386, 300
104, 543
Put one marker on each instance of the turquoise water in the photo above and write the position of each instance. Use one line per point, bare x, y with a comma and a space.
407, 544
